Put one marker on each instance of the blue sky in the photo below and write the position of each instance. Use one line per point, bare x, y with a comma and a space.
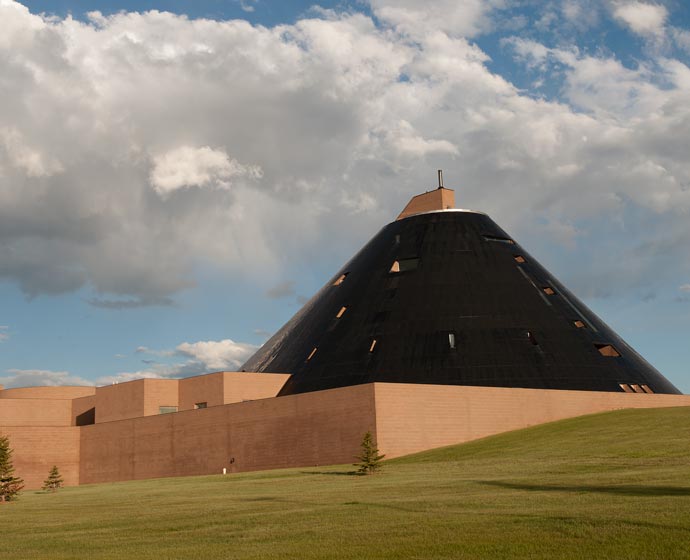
174, 184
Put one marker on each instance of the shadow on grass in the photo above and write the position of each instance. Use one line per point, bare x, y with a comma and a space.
622, 490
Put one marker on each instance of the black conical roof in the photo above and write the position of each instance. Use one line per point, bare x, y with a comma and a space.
464, 305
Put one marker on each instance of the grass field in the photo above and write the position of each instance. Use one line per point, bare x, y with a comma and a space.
613, 485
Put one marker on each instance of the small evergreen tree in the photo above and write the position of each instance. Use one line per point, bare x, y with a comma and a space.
370, 459
10, 485
54, 480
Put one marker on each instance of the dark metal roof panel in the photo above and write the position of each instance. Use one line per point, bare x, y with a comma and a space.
508, 332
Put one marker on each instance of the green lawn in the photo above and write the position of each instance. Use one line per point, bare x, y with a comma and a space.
613, 485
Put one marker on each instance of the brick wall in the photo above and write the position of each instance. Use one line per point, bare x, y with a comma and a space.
412, 418
37, 449
240, 386
159, 392
298, 430
202, 388
319, 428
35, 412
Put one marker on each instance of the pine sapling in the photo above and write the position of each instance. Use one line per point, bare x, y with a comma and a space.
370, 459
54, 480
10, 485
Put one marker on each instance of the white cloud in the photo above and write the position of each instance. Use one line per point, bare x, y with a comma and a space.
409, 143
137, 138
247, 5
24, 157
281, 290
641, 17
681, 37
40, 377
151, 351
684, 288
200, 357
155, 372
465, 19
197, 167
218, 354
4, 334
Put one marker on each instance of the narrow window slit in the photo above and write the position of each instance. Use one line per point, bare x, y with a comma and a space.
579, 324
548, 290
532, 339
342, 311
340, 279
520, 259
646, 389
498, 239
373, 346
451, 340
607, 350
311, 355
626, 387
636, 388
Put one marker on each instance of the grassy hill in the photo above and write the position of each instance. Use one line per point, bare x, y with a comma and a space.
613, 485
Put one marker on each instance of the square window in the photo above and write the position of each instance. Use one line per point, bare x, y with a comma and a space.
607, 350
200, 405
404, 265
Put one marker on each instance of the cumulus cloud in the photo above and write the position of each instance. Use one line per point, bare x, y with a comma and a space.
151, 351
281, 290
642, 18
40, 377
681, 37
247, 5
4, 333
464, 19
25, 158
200, 357
139, 147
197, 167
218, 354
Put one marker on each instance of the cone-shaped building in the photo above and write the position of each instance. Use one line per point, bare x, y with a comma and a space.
445, 296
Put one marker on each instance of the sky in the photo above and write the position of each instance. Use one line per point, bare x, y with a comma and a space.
177, 178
